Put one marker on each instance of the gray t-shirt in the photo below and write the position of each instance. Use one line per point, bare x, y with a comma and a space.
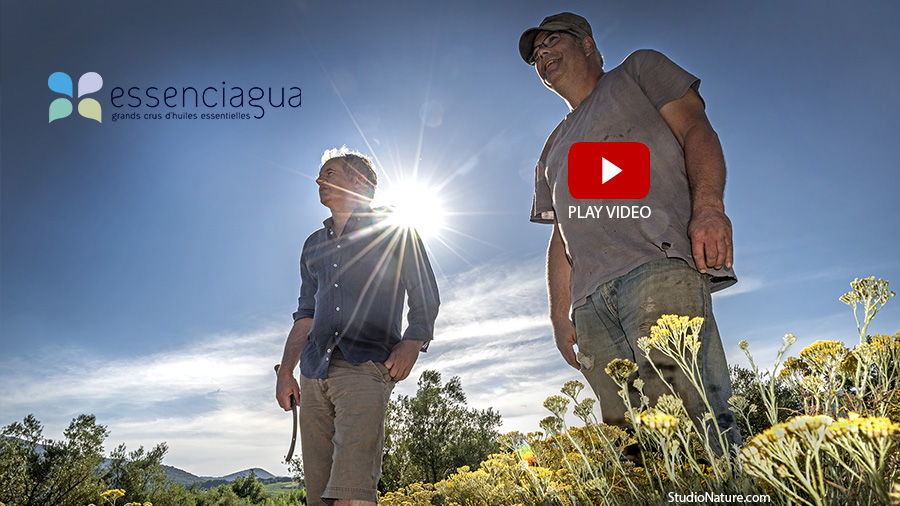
624, 107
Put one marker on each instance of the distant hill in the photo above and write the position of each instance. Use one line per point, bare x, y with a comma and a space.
181, 476
185, 478
262, 474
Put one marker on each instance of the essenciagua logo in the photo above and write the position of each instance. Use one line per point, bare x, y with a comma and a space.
219, 102
165, 102
90, 82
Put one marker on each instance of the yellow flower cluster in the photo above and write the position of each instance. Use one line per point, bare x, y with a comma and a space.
765, 449
502, 480
620, 369
824, 357
855, 427
572, 388
557, 405
740, 404
671, 405
867, 289
887, 342
774, 454
416, 494
671, 333
551, 425
871, 367
793, 366
850, 364
658, 421
780, 455
585, 408
807, 423
810, 459
867, 353
113, 493
880, 350
812, 384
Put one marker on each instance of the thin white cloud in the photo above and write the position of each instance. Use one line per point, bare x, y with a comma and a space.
213, 403
494, 333
221, 363
745, 284
218, 394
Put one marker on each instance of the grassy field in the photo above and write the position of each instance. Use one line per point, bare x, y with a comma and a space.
281, 486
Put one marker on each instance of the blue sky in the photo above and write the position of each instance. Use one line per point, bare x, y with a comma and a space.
148, 269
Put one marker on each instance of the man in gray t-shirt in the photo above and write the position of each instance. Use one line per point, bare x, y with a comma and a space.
615, 269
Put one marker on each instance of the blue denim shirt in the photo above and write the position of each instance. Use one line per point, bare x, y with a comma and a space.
353, 287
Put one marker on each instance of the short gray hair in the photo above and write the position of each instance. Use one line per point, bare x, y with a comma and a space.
597, 55
354, 163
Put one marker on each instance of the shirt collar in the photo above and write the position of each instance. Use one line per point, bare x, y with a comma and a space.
363, 215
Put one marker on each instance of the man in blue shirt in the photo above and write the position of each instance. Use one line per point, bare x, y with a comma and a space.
355, 274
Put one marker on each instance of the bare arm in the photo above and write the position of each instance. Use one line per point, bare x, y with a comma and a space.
709, 228
293, 348
559, 276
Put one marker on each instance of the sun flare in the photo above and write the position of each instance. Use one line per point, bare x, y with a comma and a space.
415, 205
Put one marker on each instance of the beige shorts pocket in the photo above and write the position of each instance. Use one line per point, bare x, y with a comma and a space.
382, 370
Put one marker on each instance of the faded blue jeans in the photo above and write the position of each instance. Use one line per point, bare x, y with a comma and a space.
609, 324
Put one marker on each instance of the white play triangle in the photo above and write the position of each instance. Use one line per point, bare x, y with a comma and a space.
608, 170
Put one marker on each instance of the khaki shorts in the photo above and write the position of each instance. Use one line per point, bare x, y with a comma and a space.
342, 431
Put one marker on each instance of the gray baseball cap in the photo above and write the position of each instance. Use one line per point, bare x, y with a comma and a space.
565, 21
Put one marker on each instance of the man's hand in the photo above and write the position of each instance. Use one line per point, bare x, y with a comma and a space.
293, 348
285, 387
565, 339
402, 359
711, 239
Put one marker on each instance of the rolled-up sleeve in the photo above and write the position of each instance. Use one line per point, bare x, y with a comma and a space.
542, 204
306, 303
421, 288
542, 210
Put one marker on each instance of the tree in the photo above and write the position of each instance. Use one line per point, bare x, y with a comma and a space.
743, 384
139, 473
292, 498
295, 466
36, 471
220, 496
429, 436
248, 487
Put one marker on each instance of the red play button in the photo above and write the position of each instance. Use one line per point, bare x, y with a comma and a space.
609, 170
